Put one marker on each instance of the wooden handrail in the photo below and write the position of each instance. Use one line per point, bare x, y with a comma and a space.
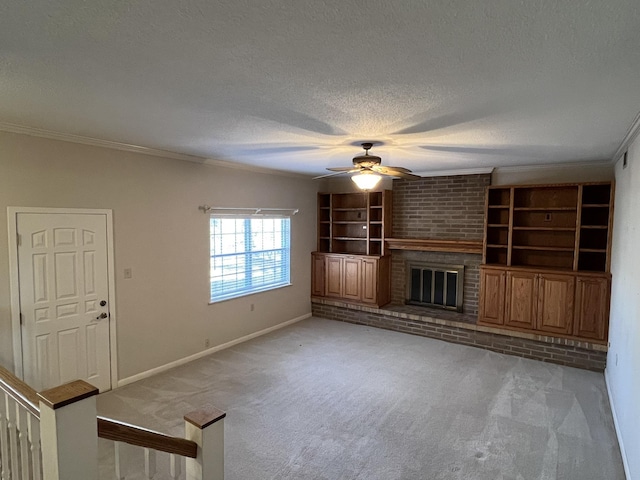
22, 393
142, 437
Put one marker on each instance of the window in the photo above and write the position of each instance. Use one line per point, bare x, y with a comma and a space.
248, 255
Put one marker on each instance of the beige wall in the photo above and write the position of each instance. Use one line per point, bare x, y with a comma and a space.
162, 312
549, 174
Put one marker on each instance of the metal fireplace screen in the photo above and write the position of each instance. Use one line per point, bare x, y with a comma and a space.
435, 285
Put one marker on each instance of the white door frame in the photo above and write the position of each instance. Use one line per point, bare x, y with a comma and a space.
12, 218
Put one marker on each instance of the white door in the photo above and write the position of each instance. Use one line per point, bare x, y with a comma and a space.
64, 293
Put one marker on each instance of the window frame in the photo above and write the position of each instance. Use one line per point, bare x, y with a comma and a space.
280, 281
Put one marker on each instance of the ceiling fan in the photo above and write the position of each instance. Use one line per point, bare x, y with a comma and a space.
369, 170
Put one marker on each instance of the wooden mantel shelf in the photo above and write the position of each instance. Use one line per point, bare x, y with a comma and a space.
428, 245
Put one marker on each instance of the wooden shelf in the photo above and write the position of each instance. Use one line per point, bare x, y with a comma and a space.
546, 229
545, 209
543, 249
497, 246
353, 223
564, 225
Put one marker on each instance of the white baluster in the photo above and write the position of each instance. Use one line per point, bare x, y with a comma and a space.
175, 466
34, 444
123, 457
150, 462
23, 438
13, 436
4, 438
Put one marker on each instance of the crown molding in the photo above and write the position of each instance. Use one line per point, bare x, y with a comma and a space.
447, 173
632, 133
126, 147
97, 142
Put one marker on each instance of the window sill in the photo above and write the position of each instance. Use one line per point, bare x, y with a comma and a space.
253, 292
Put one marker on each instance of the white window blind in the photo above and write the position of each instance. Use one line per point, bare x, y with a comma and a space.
248, 255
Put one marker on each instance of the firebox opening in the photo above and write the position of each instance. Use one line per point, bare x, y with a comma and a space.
435, 285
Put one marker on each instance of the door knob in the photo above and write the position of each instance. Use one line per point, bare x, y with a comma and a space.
101, 316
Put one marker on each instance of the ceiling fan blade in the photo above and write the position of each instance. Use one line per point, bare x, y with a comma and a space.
336, 173
343, 169
396, 172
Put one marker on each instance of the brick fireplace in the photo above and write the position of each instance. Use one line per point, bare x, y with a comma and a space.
439, 208
432, 218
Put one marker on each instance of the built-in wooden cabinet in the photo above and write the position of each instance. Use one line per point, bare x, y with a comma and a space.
521, 300
555, 297
548, 248
591, 318
351, 262
570, 304
565, 226
355, 278
492, 296
318, 269
355, 223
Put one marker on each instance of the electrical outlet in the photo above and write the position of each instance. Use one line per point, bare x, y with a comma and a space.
253, 307
207, 343
128, 273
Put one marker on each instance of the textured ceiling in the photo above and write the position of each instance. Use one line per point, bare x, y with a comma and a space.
297, 86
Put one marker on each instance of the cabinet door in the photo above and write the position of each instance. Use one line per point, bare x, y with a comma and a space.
352, 278
333, 277
521, 299
555, 303
492, 286
369, 280
317, 275
591, 318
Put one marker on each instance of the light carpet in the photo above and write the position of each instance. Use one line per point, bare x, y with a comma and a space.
328, 400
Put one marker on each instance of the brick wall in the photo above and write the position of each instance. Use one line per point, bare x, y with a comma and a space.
554, 350
449, 207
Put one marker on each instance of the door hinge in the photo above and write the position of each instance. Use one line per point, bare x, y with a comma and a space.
21, 318
19, 240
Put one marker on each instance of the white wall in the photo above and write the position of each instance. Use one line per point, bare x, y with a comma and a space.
623, 359
163, 312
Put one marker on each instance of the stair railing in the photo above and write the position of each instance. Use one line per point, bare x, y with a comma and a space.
53, 435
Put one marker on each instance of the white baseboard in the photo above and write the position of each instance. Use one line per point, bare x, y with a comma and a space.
209, 351
625, 462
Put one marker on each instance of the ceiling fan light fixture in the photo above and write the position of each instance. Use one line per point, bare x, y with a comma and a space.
366, 180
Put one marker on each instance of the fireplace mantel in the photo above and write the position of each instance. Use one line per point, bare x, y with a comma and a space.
435, 245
